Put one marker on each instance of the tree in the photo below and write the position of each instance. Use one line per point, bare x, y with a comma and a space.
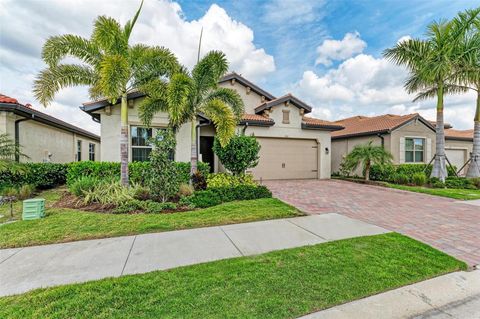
187, 95
239, 154
468, 74
9, 150
431, 66
367, 155
163, 179
110, 66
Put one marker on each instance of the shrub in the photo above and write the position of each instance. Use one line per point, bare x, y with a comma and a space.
147, 206
110, 193
419, 179
387, 172
163, 179
185, 190
83, 185
138, 171
436, 183
476, 181
459, 182
202, 199
198, 180
9, 192
39, 175
141, 192
239, 154
400, 178
129, 207
225, 179
217, 195
25, 191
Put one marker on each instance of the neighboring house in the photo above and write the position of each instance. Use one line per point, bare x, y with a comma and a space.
293, 146
45, 138
410, 138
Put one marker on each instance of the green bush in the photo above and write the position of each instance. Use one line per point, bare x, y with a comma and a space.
39, 175
82, 185
109, 192
419, 179
199, 181
476, 181
217, 195
239, 154
459, 182
387, 173
146, 206
138, 171
436, 183
225, 179
202, 199
400, 178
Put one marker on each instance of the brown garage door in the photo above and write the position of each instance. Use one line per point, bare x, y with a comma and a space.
283, 158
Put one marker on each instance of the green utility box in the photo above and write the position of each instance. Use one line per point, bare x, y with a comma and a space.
33, 208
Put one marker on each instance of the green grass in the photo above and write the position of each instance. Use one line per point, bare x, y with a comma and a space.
462, 194
50, 196
63, 225
281, 284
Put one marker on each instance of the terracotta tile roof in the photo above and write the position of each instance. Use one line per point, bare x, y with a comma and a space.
256, 118
313, 122
459, 134
364, 125
7, 99
445, 125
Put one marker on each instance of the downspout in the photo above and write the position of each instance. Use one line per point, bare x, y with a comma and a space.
17, 134
382, 138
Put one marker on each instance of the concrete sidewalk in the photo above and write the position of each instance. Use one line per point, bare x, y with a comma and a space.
454, 296
28, 268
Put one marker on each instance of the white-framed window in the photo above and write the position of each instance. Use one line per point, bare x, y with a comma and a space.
414, 150
79, 150
91, 151
140, 142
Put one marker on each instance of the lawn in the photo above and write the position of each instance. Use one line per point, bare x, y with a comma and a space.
63, 225
281, 284
461, 194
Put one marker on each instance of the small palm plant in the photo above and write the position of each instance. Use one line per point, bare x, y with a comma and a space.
110, 66
366, 155
190, 94
9, 151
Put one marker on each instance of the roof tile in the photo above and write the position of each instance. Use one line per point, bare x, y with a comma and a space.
7, 99
460, 134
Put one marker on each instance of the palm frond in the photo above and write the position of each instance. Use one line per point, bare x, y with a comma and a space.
114, 76
208, 71
59, 47
131, 23
108, 36
179, 93
52, 79
150, 63
230, 97
223, 119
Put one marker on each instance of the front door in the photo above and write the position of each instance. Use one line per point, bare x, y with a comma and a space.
206, 145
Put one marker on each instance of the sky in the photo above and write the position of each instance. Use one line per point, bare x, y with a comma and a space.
327, 53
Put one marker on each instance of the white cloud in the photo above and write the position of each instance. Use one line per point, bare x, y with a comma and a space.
160, 23
331, 50
404, 38
292, 11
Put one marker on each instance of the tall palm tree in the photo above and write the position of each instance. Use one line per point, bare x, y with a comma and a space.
431, 67
367, 155
190, 94
469, 75
110, 66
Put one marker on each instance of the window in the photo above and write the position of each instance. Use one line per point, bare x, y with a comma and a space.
141, 147
79, 150
414, 150
91, 151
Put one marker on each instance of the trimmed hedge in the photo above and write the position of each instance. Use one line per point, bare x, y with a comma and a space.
217, 195
388, 173
138, 171
40, 175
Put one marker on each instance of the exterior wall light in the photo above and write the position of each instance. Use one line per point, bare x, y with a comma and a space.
327, 150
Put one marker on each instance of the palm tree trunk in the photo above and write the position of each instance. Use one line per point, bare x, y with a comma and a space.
367, 171
194, 157
439, 169
124, 141
474, 166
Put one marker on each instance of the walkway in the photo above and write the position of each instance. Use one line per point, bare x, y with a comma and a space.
28, 268
444, 223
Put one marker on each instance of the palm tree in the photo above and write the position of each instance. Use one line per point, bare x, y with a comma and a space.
367, 155
190, 94
469, 76
110, 66
431, 67
9, 150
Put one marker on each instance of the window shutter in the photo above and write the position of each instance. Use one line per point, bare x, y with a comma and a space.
429, 150
402, 150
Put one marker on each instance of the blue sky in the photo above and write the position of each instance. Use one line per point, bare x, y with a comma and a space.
327, 53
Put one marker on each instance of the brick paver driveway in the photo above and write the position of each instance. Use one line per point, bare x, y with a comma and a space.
441, 222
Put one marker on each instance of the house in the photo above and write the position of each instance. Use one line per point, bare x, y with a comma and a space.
45, 138
410, 138
293, 145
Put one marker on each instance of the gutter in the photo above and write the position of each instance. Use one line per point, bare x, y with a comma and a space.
17, 134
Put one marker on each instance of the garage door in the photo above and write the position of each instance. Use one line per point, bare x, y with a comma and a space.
457, 158
282, 158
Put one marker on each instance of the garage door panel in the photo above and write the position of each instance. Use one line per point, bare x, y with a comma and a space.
286, 159
457, 157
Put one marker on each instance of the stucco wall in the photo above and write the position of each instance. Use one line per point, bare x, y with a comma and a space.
251, 99
110, 132
341, 148
38, 140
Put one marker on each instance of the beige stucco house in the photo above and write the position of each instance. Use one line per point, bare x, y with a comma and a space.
293, 146
45, 138
410, 138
